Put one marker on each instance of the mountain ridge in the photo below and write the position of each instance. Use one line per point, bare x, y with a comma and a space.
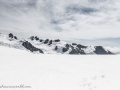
36, 45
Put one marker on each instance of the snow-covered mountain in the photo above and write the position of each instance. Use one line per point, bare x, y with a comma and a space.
36, 45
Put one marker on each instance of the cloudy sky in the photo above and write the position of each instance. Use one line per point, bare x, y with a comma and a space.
89, 22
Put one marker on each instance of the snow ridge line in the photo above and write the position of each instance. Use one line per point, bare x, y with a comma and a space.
12, 46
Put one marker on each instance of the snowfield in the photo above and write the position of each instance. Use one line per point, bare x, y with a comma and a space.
58, 72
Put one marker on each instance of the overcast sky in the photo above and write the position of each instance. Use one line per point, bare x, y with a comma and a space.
89, 22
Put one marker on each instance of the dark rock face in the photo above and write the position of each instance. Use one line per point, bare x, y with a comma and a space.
74, 50
101, 50
15, 37
50, 42
81, 46
77, 51
57, 40
30, 47
65, 49
82, 52
32, 37
67, 45
10, 35
46, 41
36, 38
74, 44
56, 48
41, 40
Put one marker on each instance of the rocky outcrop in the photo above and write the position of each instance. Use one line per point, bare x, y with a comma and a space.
74, 44
57, 40
32, 37
15, 37
11, 36
66, 48
36, 38
40, 40
30, 47
101, 50
77, 51
56, 47
81, 46
46, 41
50, 42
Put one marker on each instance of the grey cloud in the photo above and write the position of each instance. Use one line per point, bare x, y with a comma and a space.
80, 9
12, 6
87, 10
97, 1
32, 3
55, 21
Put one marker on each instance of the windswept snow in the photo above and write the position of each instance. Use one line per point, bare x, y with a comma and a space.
58, 72
114, 49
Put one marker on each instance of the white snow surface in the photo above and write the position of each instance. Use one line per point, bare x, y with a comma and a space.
58, 72
115, 50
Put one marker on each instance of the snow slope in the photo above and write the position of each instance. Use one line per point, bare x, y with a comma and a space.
58, 72
114, 49
12, 43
